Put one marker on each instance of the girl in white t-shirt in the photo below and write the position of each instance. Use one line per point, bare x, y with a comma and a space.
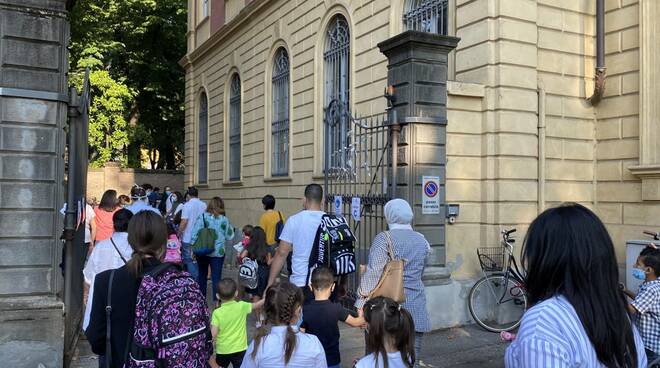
390, 335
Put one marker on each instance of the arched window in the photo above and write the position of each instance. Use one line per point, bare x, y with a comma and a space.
337, 83
202, 140
235, 128
426, 16
280, 114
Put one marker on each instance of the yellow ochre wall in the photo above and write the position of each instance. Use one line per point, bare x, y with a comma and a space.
520, 64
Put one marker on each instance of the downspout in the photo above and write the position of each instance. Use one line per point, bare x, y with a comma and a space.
600, 74
541, 149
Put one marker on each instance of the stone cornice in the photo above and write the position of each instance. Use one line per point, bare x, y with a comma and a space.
225, 31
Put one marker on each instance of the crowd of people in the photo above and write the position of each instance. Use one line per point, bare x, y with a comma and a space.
150, 260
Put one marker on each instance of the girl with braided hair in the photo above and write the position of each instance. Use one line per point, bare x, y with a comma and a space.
390, 335
279, 334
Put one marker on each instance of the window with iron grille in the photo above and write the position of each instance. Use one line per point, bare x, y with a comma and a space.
426, 16
235, 128
337, 77
280, 114
202, 140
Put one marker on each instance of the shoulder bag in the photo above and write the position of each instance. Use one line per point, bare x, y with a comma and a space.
391, 280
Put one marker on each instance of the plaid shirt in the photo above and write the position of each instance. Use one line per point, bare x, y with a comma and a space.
647, 320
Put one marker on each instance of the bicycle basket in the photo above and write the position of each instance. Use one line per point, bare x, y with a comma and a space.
491, 259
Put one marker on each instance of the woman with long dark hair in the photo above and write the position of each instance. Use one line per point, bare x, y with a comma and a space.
578, 316
103, 215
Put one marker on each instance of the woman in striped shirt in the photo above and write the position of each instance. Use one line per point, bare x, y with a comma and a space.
578, 316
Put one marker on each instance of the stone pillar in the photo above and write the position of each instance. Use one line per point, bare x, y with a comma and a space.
417, 69
33, 111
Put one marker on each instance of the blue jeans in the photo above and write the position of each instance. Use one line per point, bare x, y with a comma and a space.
187, 257
216, 272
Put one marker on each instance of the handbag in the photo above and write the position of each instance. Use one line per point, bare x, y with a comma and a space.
390, 284
205, 242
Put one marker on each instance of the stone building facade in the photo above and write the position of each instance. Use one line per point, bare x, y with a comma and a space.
34, 97
521, 134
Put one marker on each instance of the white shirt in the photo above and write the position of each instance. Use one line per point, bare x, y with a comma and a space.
393, 360
89, 217
308, 353
104, 257
300, 231
190, 212
169, 202
139, 206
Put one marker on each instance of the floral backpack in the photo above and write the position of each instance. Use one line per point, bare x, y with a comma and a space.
171, 326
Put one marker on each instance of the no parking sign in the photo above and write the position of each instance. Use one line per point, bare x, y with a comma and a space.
430, 195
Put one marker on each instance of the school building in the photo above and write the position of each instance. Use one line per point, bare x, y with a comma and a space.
542, 101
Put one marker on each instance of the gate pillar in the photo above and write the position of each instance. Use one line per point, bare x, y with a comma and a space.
417, 69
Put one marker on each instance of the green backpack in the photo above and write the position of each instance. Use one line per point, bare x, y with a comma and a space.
206, 237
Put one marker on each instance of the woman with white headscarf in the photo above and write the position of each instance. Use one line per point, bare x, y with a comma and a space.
409, 245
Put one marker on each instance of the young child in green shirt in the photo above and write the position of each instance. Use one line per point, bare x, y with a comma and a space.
229, 326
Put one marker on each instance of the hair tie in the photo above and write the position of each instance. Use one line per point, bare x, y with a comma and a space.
399, 308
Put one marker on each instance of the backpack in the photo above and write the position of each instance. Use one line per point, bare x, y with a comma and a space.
171, 327
279, 227
173, 253
205, 242
333, 247
248, 273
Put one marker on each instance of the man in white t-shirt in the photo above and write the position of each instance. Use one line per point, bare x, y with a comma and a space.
190, 211
298, 236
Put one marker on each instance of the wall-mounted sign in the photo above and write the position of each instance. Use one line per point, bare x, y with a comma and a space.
355, 208
337, 205
430, 195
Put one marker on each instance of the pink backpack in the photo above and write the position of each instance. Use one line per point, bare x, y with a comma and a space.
173, 254
172, 326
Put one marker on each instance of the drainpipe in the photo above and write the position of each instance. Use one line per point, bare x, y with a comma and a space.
541, 152
599, 78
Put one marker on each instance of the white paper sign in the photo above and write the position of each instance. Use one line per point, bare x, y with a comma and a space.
430, 195
355, 208
338, 205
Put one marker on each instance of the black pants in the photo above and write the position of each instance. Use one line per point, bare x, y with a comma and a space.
236, 359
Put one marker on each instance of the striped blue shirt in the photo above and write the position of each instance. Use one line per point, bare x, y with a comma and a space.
552, 336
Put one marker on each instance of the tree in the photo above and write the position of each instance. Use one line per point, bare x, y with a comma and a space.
139, 44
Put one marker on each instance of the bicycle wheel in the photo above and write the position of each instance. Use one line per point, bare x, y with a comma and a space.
495, 306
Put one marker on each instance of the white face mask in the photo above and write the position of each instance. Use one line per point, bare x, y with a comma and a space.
173, 198
149, 191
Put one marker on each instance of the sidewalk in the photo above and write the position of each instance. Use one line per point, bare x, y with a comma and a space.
458, 347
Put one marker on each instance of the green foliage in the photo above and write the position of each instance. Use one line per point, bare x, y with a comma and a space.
133, 48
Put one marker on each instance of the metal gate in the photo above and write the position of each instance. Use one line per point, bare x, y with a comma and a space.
74, 220
356, 165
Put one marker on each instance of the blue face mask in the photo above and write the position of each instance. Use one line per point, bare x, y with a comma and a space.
300, 320
639, 274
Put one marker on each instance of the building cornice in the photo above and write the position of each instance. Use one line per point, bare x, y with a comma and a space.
223, 33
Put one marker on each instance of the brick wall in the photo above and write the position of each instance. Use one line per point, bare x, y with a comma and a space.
121, 180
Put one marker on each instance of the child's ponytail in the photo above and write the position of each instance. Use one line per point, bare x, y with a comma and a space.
389, 321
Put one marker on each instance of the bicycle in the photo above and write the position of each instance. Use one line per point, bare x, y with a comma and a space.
498, 300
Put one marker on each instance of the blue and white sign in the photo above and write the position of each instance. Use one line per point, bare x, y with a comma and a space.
355, 208
338, 205
430, 195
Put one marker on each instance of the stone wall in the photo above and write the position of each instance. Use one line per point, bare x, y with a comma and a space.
33, 110
122, 180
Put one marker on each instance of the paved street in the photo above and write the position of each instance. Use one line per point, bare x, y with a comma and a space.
458, 348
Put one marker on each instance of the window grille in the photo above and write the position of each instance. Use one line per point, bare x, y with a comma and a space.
235, 128
202, 139
337, 77
426, 16
280, 114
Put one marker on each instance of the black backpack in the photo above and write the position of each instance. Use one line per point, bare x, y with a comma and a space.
333, 247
